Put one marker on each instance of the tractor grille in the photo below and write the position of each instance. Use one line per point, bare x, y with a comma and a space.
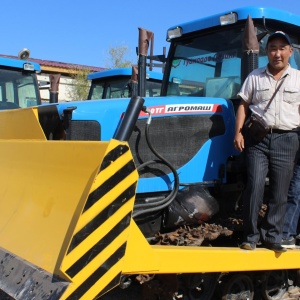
83, 131
176, 138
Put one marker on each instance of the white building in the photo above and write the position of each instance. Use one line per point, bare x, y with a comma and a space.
66, 70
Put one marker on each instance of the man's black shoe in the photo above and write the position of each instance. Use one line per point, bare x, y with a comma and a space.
248, 246
297, 240
275, 247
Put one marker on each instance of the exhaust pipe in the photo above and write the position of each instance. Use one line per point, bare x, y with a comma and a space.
130, 117
145, 36
54, 83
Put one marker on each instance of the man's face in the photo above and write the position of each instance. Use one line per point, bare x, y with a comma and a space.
279, 53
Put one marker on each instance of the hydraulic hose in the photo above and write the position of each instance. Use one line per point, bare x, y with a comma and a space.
161, 204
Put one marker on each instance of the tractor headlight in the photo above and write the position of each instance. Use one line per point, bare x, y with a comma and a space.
228, 19
28, 67
174, 33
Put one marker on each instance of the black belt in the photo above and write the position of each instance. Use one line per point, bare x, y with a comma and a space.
275, 130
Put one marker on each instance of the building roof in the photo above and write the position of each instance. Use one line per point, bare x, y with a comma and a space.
58, 67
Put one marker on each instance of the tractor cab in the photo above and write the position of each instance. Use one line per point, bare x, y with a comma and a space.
18, 84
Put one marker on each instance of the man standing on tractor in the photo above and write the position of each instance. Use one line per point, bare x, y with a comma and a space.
276, 153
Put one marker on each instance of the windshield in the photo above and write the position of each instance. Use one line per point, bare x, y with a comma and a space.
210, 65
120, 88
108, 89
18, 89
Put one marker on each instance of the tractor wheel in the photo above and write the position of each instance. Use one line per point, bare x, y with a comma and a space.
274, 284
238, 286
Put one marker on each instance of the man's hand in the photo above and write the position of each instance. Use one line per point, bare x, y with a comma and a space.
241, 114
239, 142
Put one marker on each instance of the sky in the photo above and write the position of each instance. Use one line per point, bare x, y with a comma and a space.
82, 32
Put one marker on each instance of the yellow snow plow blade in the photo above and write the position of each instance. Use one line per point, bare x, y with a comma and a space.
65, 211
20, 124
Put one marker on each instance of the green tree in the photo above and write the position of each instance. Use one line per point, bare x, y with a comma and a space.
80, 86
117, 57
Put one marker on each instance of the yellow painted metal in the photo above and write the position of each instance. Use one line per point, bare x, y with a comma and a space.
63, 202
20, 124
139, 255
142, 258
91, 268
98, 234
107, 198
44, 187
101, 250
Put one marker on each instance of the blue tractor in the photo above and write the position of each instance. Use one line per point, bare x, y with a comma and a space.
119, 83
182, 140
18, 83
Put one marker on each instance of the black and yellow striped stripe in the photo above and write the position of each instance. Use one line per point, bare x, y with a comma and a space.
94, 258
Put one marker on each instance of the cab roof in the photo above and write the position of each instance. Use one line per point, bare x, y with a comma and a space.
18, 63
255, 12
121, 72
